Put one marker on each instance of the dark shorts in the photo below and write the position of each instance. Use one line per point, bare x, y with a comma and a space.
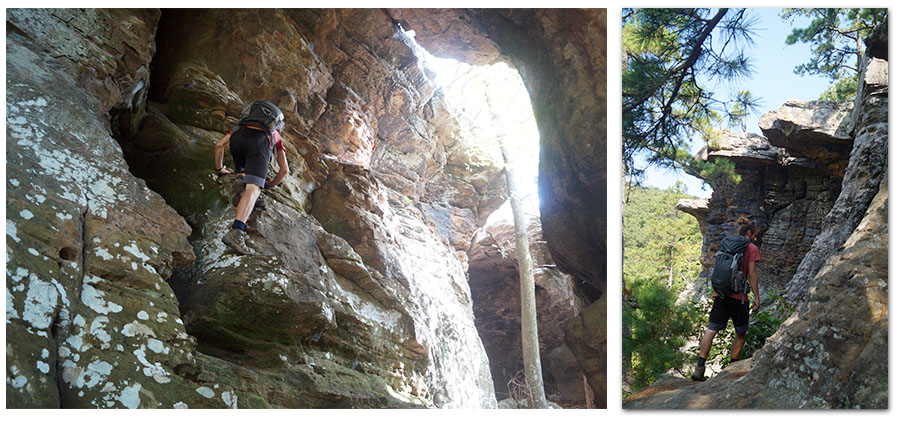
730, 308
251, 152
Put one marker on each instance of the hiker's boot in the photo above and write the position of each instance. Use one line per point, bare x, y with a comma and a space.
699, 374
237, 239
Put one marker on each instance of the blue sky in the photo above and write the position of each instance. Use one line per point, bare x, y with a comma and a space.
773, 81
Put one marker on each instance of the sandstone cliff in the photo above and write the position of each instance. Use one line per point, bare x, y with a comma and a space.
119, 293
816, 185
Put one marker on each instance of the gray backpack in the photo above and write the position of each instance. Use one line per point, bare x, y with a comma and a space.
726, 277
264, 114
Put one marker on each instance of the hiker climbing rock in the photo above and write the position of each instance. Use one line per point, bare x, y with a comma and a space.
251, 143
733, 275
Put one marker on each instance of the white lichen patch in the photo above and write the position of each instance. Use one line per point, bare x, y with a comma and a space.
152, 370
93, 298
96, 373
98, 330
14, 182
34, 252
135, 251
17, 382
43, 367
143, 315
136, 328
161, 316
129, 397
180, 405
11, 231
103, 253
42, 301
157, 346
206, 392
45, 353
230, 399
63, 216
20, 274
11, 312
26, 214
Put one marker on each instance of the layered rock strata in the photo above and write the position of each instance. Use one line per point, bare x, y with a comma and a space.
787, 197
358, 297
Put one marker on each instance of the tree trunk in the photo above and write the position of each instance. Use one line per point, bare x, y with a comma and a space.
531, 353
672, 249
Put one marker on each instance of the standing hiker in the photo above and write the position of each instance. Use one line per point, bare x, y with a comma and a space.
730, 300
251, 144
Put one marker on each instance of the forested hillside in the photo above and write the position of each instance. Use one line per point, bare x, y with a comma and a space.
661, 256
658, 240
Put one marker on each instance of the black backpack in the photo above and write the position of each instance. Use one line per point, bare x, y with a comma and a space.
726, 277
264, 114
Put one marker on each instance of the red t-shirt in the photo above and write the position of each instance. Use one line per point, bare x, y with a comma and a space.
750, 254
278, 144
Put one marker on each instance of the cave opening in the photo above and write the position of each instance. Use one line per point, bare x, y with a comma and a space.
491, 102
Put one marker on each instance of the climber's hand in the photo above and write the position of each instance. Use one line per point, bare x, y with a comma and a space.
755, 304
224, 170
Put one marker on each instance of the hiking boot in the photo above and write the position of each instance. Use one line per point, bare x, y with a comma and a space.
699, 372
237, 239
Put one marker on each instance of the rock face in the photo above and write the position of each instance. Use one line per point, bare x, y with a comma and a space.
494, 280
787, 197
358, 295
561, 55
91, 321
832, 352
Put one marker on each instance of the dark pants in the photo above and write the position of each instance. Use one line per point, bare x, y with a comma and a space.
729, 308
251, 152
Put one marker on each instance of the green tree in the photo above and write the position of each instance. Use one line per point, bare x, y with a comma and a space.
655, 328
836, 39
667, 56
651, 221
659, 331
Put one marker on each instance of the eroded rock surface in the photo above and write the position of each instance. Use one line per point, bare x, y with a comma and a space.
787, 197
358, 296
91, 321
494, 279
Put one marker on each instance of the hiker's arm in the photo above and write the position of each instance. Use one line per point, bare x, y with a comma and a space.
751, 273
220, 154
282, 169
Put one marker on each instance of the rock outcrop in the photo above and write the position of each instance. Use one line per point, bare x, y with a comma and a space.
358, 296
91, 321
787, 197
832, 352
561, 55
494, 280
